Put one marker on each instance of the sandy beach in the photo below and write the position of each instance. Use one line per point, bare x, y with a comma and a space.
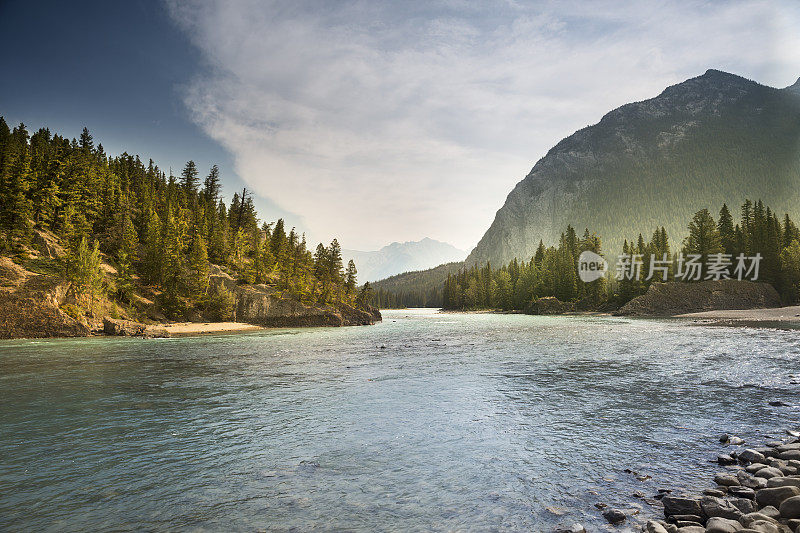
201, 328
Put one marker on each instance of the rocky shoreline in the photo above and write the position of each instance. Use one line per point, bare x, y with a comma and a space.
757, 491
38, 305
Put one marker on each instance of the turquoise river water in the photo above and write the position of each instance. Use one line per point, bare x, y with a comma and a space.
425, 422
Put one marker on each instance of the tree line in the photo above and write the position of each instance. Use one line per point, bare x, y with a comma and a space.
553, 271
159, 231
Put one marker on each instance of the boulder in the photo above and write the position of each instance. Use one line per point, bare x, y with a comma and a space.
742, 492
744, 505
654, 527
726, 480
717, 507
261, 305
790, 455
123, 328
692, 529
748, 480
676, 505
765, 527
790, 508
751, 456
775, 496
770, 512
673, 298
722, 525
769, 472
614, 516
685, 519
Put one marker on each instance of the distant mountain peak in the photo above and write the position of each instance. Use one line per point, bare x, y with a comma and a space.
399, 257
714, 73
795, 87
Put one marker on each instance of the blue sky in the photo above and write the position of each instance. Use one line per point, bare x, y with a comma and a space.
378, 121
118, 68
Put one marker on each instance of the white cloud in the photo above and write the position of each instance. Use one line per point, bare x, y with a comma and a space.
381, 121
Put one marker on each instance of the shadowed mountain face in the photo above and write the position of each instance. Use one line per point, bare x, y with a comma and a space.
402, 257
711, 139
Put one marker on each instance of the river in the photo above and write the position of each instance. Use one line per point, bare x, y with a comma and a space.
425, 422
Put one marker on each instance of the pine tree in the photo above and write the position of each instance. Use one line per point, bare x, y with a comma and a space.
726, 231
83, 272
703, 238
153, 250
198, 265
350, 281
189, 178
212, 186
86, 142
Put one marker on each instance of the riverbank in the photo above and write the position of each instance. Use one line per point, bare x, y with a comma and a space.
780, 316
36, 301
757, 489
184, 329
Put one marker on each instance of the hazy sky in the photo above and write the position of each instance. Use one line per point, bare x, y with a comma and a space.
385, 121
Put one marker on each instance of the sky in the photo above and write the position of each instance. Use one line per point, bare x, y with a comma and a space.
369, 121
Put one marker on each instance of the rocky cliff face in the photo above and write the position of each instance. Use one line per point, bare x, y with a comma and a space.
674, 298
711, 139
30, 305
260, 306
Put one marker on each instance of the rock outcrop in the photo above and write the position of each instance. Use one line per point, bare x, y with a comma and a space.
675, 298
30, 306
33, 306
262, 306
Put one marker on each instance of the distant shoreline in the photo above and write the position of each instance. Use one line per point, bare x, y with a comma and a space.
757, 318
765, 317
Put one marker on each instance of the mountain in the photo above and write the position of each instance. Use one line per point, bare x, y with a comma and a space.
711, 139
419, 288
401, 257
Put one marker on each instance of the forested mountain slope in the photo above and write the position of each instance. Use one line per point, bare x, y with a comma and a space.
717, 138
94, 235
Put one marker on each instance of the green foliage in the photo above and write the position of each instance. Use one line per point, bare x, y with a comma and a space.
159, 231
74, 312
82, 269
553, 271
220, 303
790, 266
